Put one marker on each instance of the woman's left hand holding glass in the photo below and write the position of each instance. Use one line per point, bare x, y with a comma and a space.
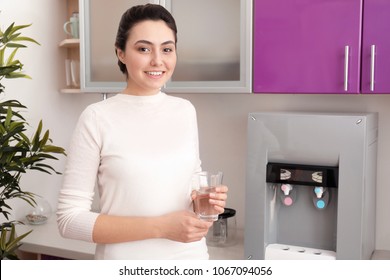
219, 197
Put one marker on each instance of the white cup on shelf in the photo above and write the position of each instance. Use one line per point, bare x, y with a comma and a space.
72, 73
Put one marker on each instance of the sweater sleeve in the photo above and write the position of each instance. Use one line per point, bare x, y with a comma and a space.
74, 216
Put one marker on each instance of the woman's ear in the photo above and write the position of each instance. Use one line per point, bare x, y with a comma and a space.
120, 54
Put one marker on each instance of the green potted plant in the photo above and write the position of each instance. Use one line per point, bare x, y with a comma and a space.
18, 152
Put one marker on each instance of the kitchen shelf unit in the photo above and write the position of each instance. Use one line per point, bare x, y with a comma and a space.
70, 45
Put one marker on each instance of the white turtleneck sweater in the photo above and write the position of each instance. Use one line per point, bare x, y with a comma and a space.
141, 151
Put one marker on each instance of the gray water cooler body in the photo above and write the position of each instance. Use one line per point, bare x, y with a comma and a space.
346, 143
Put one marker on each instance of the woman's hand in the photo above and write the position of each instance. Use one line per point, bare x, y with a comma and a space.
183, 226
217, 198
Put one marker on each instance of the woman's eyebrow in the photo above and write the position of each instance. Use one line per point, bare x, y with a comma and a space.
150, 43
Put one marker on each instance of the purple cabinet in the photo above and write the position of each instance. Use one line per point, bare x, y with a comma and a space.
307, 46
376, 47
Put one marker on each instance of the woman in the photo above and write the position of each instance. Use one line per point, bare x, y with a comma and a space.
141, 149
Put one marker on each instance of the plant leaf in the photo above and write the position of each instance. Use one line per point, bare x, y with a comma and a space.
17, 75
15, 45
53, 149
9, 30
13, 28
37, 135
2, 56
44, 139
28, 39
11, 56
8, 117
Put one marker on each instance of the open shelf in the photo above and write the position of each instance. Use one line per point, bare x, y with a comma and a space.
70, 43
70, 90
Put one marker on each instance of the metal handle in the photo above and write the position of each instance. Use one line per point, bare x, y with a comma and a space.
346, 67
372, 68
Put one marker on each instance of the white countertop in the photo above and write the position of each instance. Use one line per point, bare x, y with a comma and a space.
46, 240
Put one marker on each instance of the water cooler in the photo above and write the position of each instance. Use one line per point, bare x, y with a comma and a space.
310, 189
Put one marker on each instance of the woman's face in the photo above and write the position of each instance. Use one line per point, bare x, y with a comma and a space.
150, 57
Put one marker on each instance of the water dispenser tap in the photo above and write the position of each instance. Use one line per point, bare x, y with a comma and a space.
319, 191
320, 197
286, 188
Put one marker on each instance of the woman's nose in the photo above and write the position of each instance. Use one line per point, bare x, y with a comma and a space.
156, 60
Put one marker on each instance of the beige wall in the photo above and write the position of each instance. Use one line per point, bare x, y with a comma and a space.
222, 117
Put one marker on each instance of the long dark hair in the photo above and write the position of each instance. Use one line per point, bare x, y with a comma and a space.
135, 15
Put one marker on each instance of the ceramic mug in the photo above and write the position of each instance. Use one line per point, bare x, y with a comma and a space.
73, 25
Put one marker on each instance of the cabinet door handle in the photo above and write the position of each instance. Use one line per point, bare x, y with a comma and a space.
346, 67
372, 68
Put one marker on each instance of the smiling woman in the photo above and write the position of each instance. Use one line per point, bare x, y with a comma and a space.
141, 147
149, 57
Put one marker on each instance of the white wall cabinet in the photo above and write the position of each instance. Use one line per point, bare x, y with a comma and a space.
214, 45
99, 20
